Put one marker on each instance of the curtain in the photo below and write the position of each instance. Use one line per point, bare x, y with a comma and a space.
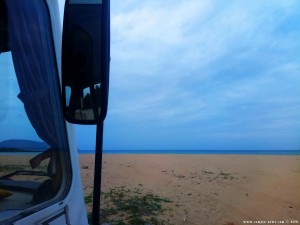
35, 66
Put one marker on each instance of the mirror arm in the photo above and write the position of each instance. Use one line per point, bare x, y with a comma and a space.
97, 174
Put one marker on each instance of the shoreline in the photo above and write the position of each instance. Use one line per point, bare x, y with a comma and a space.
195, 152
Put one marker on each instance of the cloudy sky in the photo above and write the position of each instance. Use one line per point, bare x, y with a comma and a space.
203, 75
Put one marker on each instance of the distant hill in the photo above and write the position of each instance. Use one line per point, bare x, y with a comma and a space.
22, 145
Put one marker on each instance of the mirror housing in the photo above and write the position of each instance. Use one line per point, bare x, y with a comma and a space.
85, 60
4, 44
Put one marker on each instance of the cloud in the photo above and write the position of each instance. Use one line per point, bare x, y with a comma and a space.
205, 66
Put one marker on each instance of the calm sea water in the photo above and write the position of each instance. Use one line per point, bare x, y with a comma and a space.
222, 152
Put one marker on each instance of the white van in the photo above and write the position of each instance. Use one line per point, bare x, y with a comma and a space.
52, 73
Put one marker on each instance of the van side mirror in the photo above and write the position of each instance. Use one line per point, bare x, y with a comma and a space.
85, 60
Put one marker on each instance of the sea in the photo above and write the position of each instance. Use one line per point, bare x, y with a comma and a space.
198, 152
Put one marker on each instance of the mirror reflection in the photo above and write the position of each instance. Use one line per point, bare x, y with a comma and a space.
83, 104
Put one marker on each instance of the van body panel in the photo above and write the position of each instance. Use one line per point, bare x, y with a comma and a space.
71, 209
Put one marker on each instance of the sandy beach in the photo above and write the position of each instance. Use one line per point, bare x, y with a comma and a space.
208, 189
204, 189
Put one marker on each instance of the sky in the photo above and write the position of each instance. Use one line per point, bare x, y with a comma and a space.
194, 75
202, 75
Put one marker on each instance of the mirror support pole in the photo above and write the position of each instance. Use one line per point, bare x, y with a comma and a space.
97, 175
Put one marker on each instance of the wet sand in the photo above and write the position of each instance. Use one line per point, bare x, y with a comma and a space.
208, 189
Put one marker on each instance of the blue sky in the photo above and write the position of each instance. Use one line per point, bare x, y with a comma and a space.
203, 75
195, 75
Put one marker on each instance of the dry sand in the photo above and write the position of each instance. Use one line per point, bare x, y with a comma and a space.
209, 189
205, 189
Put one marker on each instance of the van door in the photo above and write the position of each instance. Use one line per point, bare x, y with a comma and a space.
39, 183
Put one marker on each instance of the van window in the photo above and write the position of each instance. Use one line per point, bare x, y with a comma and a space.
34, 161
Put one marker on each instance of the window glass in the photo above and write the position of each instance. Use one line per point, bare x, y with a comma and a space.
33, 141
